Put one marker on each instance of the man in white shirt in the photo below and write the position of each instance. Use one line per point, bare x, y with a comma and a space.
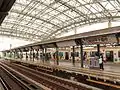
101, 62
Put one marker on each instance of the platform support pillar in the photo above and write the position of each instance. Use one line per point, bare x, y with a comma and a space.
33, 54
42, 55
30, 54
18, 53
21, 55
73, 56
57, 56
81, 53
98, 50
26, 56
109, 23
10, 54
39, 52
14, 55
45, 54
37, 55
18, 56
4, 54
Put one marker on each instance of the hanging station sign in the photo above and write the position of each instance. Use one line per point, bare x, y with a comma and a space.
30, 48
22, 49
17, 50
36, 47
66, 43
106, 39
27, 49
52, 45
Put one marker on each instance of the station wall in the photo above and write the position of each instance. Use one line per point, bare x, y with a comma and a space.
111, 54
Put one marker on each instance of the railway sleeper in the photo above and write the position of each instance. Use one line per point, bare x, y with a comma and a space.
22, 81
4, 84
59, 82
79, 79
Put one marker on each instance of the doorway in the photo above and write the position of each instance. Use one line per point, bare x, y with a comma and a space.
109, 56
66, 56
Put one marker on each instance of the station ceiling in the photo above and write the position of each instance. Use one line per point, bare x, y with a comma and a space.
38, 20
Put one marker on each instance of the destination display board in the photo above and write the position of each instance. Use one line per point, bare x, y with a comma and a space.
106, 39
66, 43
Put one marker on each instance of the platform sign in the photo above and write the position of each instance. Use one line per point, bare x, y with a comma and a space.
27, 49
52, 45
106, 39
17, 50
66, 43
30, 48
12, 50
36, 47
22, 49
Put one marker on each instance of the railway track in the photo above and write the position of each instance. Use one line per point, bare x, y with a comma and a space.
99, 82
50, 81
4, 85
12, 81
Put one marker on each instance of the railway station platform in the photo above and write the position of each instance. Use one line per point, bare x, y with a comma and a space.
60, 45
108, 66
53, 82
111, 70
109, 77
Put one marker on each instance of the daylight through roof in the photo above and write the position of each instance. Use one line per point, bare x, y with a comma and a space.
38, 20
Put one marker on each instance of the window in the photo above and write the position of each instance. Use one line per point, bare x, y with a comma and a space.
93, 53
76, 54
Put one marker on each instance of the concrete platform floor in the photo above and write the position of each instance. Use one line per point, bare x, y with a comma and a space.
108, 66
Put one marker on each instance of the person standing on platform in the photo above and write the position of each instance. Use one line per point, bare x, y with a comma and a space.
26, 57
85, 59
54, 58
101, 62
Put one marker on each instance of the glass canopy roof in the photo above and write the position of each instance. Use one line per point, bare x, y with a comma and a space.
38, 20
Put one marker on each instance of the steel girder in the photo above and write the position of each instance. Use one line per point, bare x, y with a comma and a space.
46, 19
